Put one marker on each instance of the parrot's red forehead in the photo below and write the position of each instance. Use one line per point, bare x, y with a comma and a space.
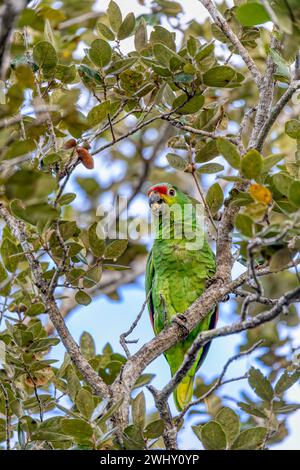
161, 189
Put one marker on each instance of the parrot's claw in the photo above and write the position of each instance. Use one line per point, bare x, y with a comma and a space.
225, 298
212, 280
180, 320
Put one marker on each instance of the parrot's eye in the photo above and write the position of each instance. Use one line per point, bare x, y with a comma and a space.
172, 192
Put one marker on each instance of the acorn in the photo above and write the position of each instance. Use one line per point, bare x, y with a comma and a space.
69, 144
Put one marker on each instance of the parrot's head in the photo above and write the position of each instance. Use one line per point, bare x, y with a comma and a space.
165, 194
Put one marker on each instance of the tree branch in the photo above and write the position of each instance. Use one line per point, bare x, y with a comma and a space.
225, 28
170, 429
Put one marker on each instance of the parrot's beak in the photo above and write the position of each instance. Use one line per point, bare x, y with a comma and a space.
155, 201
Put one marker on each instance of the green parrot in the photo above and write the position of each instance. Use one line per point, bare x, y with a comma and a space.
176, 275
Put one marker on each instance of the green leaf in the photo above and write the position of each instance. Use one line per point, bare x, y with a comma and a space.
98, 113
251, 14
210, 168
100, 52
164, 54
143, 379
162, 35
133, 438
282, 71
29, 184
104, 417
207, 151
154, 429
127, 26
49, 436
65, 73
115, 249
51, 158
230, 423
96, 244
92, 277
67, 199
34, 214
105, 31
214, 198
286, 381
177, 162
3, 273
230, 152
212, 436
120, 65
252, 164
252, 410
87, 345
79, 430
43, 344
73, 382
85, 403
36, 309
183, 77
220, 76
114, 15
250, 439
294, 193
292, 128
205, 51
139, 410
244, 224
282, 182
260, 384
19, 147
82, 298
44, 55
192, 45
140, 37
193, 105
8, 251
271, 161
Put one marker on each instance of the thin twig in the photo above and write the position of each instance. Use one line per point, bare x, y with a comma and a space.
204, 201
123, 336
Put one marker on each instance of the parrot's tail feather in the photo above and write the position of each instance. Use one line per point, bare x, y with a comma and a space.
183, 393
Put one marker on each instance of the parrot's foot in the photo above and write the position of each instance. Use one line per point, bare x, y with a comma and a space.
180, 320
225, 298
213, 280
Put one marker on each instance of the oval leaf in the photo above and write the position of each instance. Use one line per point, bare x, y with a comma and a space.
260, 384
212, 436
100, 52
252, 164
215, 198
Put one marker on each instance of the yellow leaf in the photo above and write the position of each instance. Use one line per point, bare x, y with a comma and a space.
260, 193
